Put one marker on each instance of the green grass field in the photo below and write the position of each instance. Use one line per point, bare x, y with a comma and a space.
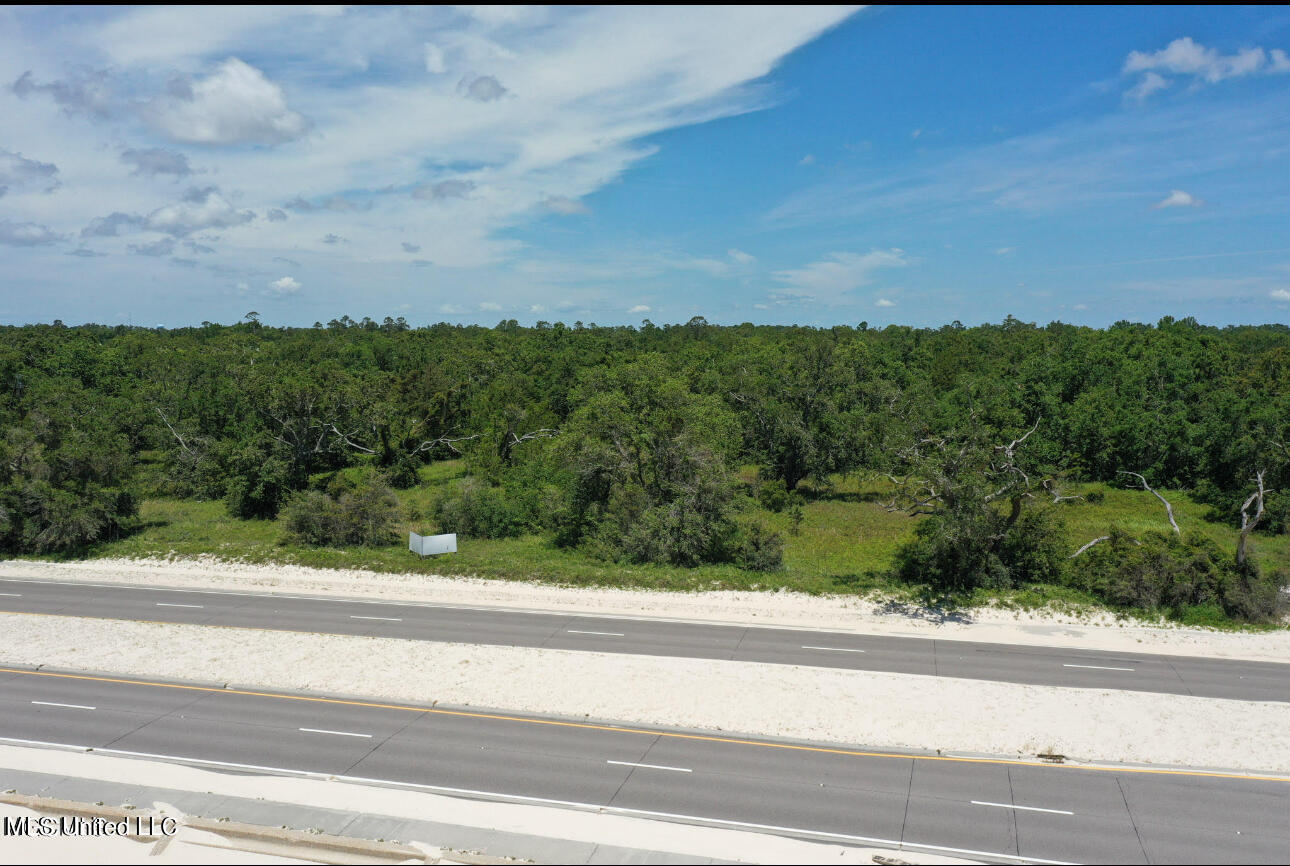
844, 544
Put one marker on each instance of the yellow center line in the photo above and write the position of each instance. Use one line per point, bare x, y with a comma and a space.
618, 729
626, 730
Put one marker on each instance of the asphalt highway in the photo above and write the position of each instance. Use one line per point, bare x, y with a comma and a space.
1216, 678
999, 810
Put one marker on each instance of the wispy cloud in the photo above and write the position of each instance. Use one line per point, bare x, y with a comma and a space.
832, 278
20, 174
1114, 160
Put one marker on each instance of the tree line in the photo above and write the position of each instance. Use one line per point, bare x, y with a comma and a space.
624, 441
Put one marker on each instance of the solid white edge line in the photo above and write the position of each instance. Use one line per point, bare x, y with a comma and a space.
650, 766
12, 594
836, 649
601, 633
1023, 808
69, 706
172, 604
573, 804
385, 618
337, 733
1097, 667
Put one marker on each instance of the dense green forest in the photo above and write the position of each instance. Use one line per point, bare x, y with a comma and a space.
685, 446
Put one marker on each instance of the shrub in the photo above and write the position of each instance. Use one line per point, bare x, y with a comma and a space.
364, 516
759, 549
959, 551
256, 479
1178, 577
475, 510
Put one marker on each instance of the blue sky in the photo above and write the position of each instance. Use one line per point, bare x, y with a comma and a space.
805, 165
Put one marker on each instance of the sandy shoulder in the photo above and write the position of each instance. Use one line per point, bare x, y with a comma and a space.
797, 610
856, 707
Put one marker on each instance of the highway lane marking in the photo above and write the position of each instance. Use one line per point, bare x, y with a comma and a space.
12, 594
603, 633
572, 804
169, 604
650, 766
976, 645
1024, 808
337, 733
836, 649
385, 618
69, 706
1097, 667
622, 729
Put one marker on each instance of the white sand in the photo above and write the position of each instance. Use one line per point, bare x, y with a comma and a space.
857, 707
839, 613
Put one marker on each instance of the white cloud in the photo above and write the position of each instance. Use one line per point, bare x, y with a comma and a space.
1005, 251
831, 278
26, 234
285, 286
640, 308
158, 248
884, 302
484, 88
584, 107
1188, 58
200, 208
565, 206
453, 188
1280, 295
434, 59
1147, 85
234, 104
490, 306
1178, 198
20, 174
152, 161
111, 225
741, 257
807, 160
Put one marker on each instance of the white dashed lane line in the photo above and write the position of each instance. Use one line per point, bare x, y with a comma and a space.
382, 618
650, 766
171, 604
337, 733
1022, 808
68, 706
602, 633
1097, 667
836, 649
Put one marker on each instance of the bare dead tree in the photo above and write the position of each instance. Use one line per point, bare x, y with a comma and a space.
1248, 522
1100, 538
1169, 509
948, 472
446, 441
511, 439
173, 432
1050, 485
346, 439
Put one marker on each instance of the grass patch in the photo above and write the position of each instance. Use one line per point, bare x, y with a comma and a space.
844, 544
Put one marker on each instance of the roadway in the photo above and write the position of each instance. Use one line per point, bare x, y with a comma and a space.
1036, 665
991, 809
